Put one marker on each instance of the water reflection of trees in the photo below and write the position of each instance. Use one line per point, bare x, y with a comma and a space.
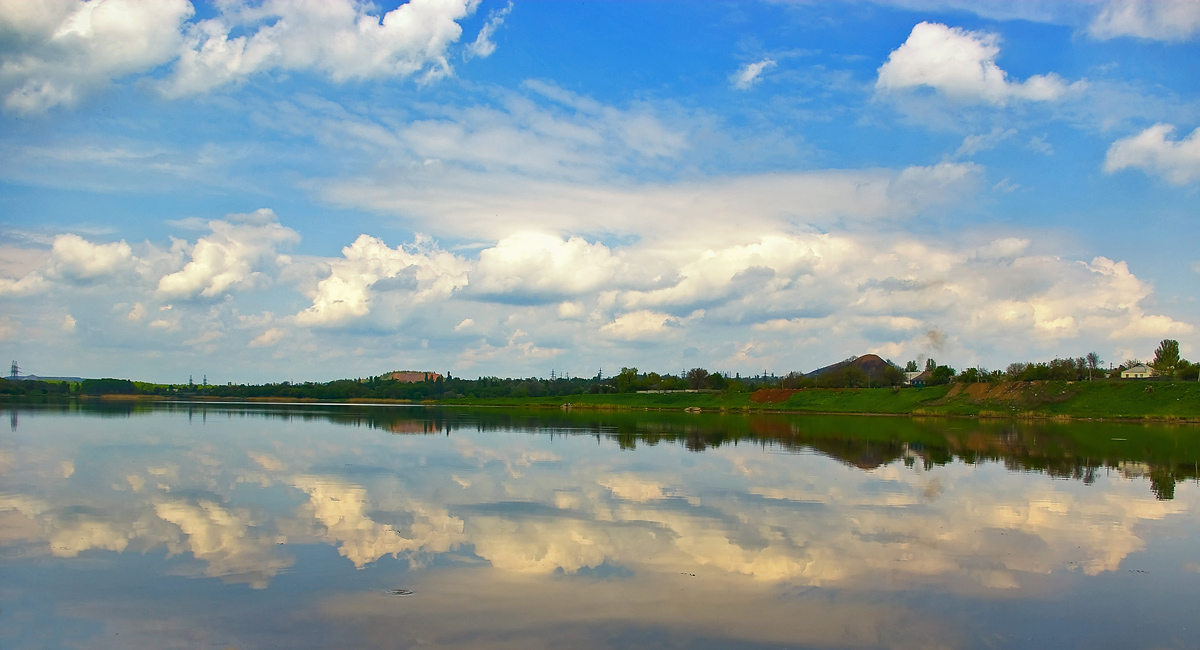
1163, 454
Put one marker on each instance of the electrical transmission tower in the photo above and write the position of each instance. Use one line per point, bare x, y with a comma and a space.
16, 371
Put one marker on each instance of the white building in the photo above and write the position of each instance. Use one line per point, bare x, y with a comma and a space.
1140, 371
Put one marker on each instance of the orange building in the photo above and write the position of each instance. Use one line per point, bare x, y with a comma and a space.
412, 376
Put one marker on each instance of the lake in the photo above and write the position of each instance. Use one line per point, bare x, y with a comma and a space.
335, 526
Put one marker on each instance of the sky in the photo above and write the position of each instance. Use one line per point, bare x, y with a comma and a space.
315, 189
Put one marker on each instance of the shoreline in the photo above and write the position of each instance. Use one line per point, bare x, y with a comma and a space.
935, 406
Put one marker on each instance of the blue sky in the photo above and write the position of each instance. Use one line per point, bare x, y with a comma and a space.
260, 191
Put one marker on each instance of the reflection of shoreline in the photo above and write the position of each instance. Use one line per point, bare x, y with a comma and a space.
1170, 453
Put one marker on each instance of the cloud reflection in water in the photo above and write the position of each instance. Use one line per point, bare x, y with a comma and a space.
522, 532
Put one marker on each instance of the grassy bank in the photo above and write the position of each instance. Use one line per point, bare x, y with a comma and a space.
1108, 400
1050, 399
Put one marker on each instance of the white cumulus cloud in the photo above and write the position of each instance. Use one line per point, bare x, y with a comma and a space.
1177, 161
24, 285
517, 348
231, 257
961, 65
341, 39
716, 275
537, 265
66, 48
420, 272
1163, 20
58, 51
74, 258
642, 324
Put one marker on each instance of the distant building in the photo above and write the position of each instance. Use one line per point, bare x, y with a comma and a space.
919, 378
412, 376
910, 376
1140, 371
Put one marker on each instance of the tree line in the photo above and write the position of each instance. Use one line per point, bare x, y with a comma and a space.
1167, 364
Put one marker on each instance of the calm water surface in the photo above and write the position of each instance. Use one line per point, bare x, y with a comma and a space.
201, 526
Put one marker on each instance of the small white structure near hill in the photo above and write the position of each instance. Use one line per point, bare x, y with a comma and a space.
1140, 371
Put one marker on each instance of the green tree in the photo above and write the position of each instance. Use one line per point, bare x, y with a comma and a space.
855, 377
1093, 361
892, 376
697, 377
930, 364
107, 386
793, 380
911, 366
1166, 358
941, 375
627, 380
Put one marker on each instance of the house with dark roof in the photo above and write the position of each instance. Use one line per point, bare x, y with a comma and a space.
921, 379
